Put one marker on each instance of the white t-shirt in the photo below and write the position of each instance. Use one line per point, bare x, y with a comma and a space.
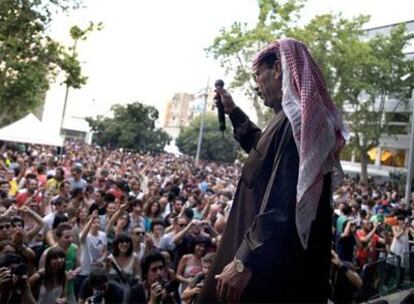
91, 251
139, 196
48, 221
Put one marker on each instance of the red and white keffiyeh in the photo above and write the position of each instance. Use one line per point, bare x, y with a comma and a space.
317, 126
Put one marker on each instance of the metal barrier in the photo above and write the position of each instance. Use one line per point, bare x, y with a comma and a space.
407, 265
387, 275
381, 277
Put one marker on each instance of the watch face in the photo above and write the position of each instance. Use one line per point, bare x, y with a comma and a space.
239, 266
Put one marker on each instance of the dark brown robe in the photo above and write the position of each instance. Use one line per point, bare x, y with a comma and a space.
261, 229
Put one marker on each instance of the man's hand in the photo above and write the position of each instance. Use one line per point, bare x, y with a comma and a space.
94, 215
156, 293
5, 275
61, 301
231, 284
18, 237
226, 100
335, 260
71, 275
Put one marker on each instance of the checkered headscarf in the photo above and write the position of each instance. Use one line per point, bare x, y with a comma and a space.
317, 126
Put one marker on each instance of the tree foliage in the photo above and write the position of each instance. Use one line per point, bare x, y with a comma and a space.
362, 74
214, 147
132, 127
29, 58
235, 47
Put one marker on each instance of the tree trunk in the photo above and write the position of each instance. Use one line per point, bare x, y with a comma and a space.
364, 166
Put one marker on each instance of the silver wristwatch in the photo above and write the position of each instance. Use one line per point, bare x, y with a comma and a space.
239, 266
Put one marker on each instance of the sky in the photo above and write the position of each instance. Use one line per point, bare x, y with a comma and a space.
149, 50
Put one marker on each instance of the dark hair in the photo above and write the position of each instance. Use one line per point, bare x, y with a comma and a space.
109, 198
136, 202
97, 277
61, 228
54, 252
125, 214
204, 240
40, 169
157, 221
60, 200
75, 192
89, 189
31, 176
123, 237
268, 61
4, 219
62, 185
149, 206
188, 213
149, 258
3, 195
77, 169
10, 258
59, 218
17, 219
101, 192
61, 170
347, 209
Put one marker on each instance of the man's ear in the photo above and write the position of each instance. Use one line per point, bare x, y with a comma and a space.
277, 70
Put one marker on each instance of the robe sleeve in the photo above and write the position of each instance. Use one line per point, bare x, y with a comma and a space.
276, 220
245, 132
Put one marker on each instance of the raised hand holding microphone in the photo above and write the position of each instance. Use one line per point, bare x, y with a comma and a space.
224, 102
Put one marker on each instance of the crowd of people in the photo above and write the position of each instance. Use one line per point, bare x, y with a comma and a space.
85, 224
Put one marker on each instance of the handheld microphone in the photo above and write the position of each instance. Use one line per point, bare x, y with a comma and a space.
220, 108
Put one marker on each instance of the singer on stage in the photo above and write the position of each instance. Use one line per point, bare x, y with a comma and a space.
276, 246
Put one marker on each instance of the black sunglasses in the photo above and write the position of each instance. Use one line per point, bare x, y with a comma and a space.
5, 226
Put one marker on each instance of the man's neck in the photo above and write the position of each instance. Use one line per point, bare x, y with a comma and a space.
277, 107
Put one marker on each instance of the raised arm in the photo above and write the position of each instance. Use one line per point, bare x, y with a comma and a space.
180, 235
397, 231
39, 223
245, 132
114, 218
85, 230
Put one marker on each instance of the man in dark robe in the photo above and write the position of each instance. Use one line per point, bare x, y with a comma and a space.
276, 246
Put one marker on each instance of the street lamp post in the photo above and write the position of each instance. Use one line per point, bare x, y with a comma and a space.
408, 184
65, 101
200, 133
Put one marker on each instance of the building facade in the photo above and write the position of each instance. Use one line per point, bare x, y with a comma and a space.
392, 153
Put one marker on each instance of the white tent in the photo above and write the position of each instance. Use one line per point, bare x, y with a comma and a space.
30, 130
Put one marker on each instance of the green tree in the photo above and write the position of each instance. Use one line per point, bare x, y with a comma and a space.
362, 74
214, 146
132, 127
235, 47
29, 58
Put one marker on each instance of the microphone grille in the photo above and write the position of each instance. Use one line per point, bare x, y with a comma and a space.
219, 83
